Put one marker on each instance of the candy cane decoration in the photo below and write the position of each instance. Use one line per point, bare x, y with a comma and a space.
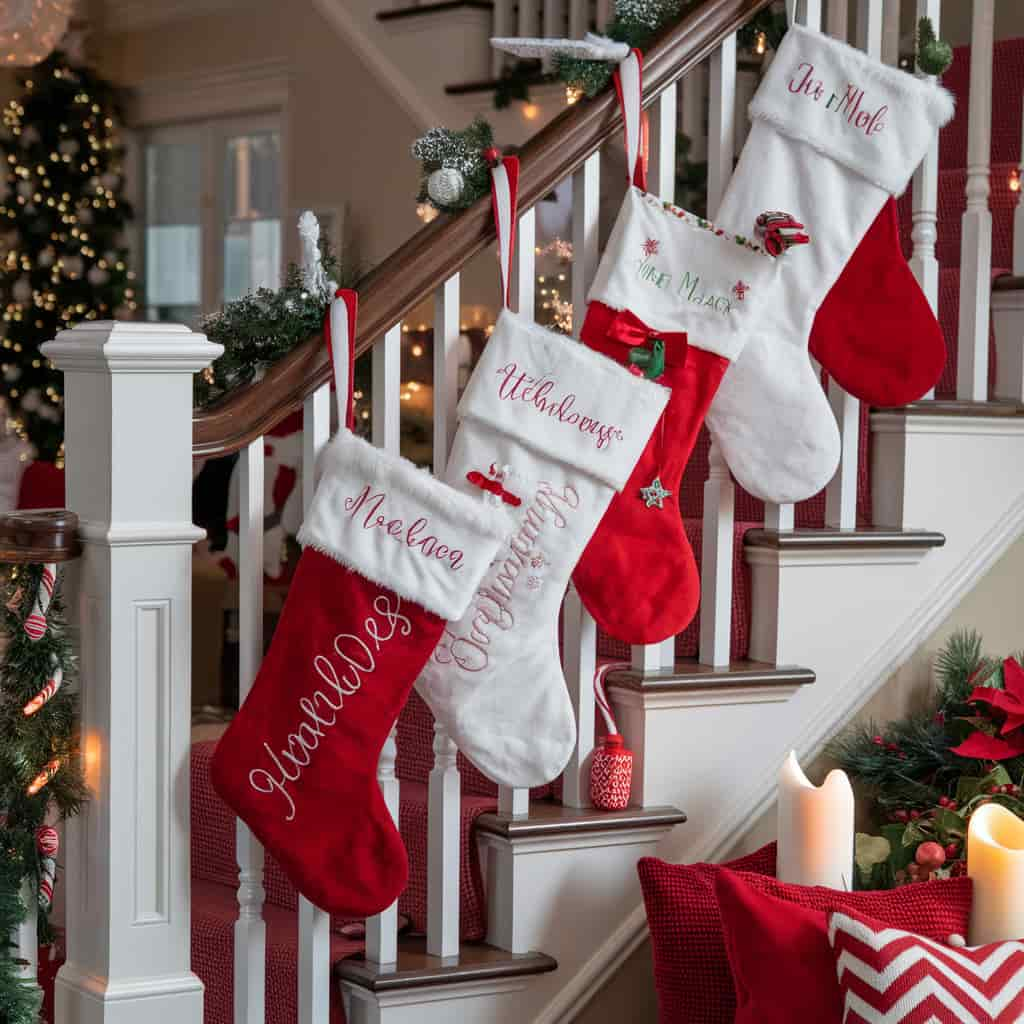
47, 878
601, 698
47, 841
51, 687
35, 624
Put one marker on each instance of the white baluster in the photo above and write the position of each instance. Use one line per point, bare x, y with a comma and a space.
528, 18
586, 197
502, 26
721, 121
693, 88
382, 929
891, 33
838, 21
663, 168
579, 634
841, 492
444, 791
387, 381
314, 968
513, 802
579, 18
127, 854
778, 517
976, 231
579, 657
810, 13
870, 18
250, 929
923, 264
716, 568
26, 936
525, 266
443, 836
446, 369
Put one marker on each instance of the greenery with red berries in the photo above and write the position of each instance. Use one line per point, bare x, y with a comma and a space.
926, 774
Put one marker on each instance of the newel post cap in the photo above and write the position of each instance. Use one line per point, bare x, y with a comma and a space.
122, 346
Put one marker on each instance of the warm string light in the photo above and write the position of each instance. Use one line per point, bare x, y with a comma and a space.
762, 43
1015, 180
426, 212
531, 111
573, 94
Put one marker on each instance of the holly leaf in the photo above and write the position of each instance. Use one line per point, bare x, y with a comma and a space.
967, 789
950, 825
999, 776
870, 850
899, 855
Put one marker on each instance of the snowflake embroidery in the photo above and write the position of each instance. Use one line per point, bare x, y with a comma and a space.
651, 246
533, 582
740, 289
536, 561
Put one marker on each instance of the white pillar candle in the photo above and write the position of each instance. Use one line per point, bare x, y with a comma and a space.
815, 828
995, 861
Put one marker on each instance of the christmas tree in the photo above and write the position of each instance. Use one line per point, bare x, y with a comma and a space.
61, 224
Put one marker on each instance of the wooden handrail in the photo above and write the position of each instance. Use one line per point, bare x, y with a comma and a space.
441, 248
39, 535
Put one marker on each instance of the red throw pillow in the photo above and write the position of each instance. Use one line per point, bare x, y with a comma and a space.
778, 947
890, 976
691, 969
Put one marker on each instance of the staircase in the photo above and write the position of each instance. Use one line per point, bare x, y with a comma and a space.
520, 904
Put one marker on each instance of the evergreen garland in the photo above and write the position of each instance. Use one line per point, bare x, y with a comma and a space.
462, 155
62, 219
28, 744
261, 327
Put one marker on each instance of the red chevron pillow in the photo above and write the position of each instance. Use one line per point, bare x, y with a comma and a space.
889, 976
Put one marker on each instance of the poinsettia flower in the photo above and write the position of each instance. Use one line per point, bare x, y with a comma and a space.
983, 747
1009, 700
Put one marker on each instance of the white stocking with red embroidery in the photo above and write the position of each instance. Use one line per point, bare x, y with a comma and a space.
551, 430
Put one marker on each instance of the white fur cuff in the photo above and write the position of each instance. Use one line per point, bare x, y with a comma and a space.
679, 272
876, 120
401, 527
562, 400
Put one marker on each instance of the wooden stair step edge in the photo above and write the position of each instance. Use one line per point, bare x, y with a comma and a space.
944, 407
869, 538
548, 820
416, 968
689, 674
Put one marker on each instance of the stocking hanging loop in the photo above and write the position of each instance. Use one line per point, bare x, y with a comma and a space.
504, 196
341, 338
629, 89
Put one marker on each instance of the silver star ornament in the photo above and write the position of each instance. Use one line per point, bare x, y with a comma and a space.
654, 494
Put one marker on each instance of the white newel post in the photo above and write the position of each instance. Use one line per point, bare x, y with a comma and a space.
129, 477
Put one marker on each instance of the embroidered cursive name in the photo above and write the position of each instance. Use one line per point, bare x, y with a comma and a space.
415, 536
688, 289
847, 104
518, 386
343, 672
493, 608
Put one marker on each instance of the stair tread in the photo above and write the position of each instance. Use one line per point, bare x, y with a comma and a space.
954, 408
416, 968
550, 819
689, 674
830, 538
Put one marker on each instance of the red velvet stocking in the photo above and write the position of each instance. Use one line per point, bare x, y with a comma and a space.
390, 554
638, 576
875, 333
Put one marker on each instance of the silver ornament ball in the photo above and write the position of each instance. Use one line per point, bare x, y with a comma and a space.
446, 186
